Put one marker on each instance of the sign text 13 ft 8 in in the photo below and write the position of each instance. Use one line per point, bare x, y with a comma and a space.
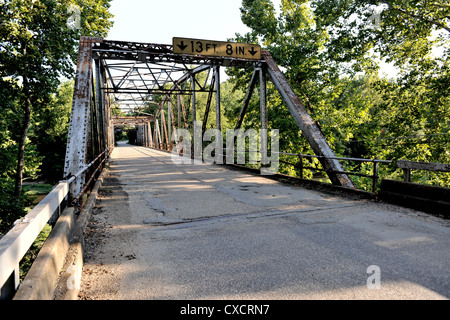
216, 48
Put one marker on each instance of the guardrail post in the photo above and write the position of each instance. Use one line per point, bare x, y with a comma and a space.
407, 174
70, 195
375, 176
55, 216
300, 165
10, 287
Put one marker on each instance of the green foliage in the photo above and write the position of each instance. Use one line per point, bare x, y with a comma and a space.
30, 256
49, 132
132, 135
38, 48
121, 134
37, 44
10, 209
328, 49
398, 30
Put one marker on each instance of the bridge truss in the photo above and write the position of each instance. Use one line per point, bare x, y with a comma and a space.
129, 75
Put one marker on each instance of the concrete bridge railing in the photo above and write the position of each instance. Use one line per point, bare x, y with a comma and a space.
15, 244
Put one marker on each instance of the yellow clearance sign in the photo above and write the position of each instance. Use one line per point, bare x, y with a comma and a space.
216, 48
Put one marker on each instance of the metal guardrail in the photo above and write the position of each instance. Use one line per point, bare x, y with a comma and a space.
407, 166
17, 241
374, 176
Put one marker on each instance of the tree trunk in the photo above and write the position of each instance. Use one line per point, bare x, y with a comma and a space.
21, 143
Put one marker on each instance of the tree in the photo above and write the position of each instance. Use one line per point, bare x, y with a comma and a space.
10, 116
49, 130
37, 47
330, 53
299, 47
398, 30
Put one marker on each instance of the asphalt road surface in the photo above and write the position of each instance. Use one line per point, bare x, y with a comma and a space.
167, 231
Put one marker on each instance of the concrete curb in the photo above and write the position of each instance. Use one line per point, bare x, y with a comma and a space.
69, 282
426, 198
41, 279
60, 260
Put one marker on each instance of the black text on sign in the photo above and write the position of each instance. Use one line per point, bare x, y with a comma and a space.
216, 48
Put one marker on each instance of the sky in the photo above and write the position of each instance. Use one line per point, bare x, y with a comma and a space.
158, 21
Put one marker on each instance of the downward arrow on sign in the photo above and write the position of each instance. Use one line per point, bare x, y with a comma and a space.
182, 46
253, 52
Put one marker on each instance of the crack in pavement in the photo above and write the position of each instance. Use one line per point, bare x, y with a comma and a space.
186, 223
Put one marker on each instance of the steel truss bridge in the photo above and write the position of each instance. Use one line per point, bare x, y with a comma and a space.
128, 76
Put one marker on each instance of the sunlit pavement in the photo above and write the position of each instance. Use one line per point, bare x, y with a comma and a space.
206, 232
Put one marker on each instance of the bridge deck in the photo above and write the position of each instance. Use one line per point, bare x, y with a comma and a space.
165, 231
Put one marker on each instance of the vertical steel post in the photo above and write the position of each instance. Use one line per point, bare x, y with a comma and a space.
76, 149
158, 132
145, 134
195, 148
300, 165
247, 98
150, 138
99, 106
155, 134
104, 107
194, 114
138, 135
169, 127
162, 131
263, 115
179, 110
375, 176
164, 125
218, 116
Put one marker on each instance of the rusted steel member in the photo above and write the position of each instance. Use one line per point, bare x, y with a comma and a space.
77, 141
308, 126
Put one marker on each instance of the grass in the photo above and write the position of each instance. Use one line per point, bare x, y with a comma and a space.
30, 256
37, 192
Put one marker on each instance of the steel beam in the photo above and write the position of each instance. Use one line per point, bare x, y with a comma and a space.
248, 96
308, 126
77, 140
179, 110
150, 136
169, 127
218, 116
132, 119
208, 104
158, 135
160, 53
263, 115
